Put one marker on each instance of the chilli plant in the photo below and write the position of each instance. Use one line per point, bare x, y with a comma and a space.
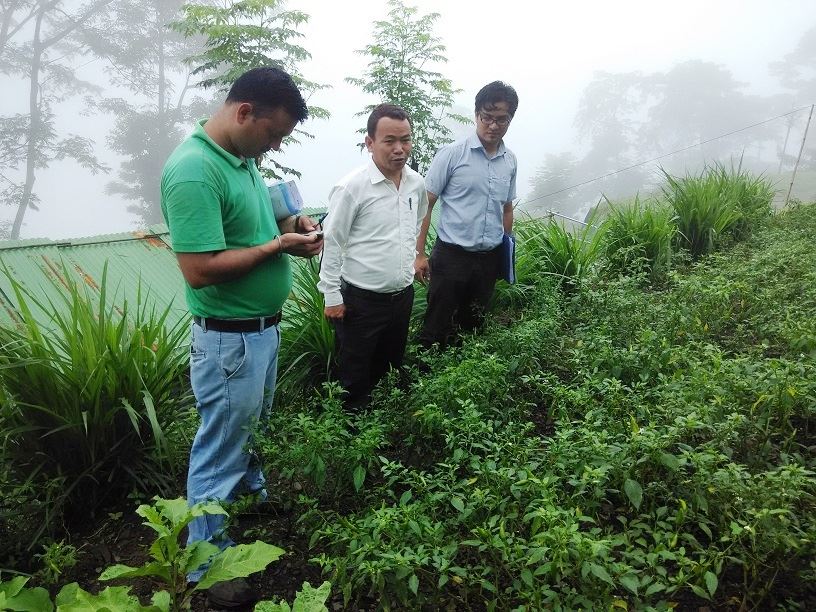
92, 413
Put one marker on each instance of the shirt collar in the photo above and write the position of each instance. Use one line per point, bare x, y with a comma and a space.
376, 176
200, 133
474, 143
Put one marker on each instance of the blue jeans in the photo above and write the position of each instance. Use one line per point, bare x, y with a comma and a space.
233, 379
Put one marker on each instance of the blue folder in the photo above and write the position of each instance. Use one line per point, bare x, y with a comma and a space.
508, 269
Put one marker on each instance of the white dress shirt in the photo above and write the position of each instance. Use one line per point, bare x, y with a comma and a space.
369, 236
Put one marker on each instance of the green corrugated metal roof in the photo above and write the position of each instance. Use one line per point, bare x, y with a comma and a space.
141, 260
134, 260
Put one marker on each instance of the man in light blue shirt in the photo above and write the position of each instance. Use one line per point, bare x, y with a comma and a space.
476, 180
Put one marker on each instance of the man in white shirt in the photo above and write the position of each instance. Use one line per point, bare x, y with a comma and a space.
367, 273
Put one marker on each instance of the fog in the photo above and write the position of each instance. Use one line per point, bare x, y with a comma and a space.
550, 52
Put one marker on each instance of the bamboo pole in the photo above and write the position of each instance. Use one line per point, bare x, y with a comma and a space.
799, 157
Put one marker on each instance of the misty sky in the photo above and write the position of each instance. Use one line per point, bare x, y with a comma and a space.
547, 51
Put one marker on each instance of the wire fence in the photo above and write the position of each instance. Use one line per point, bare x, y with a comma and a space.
780, 148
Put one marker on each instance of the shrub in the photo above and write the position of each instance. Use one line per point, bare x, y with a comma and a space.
88, 417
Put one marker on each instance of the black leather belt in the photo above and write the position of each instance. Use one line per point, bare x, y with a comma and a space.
350, 289
458, 249
237, 325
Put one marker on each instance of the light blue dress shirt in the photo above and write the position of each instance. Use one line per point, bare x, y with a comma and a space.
473, 189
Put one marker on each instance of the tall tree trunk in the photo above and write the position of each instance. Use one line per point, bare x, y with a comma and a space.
34, 125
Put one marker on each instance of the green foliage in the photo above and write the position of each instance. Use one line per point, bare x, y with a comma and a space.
55, 559
90, 416
715, 203
324, 451
704, 210
240, 35
566, 254
170, 563
72, 598
638, 239
620, 448
307, 337
308, 599
15, 595
403, 45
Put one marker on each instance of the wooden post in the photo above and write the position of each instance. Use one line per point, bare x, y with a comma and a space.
799, 157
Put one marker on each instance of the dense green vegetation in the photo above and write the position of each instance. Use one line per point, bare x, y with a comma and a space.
633, 430
620, 446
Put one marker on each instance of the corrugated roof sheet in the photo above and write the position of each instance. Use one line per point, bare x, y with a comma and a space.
136, 261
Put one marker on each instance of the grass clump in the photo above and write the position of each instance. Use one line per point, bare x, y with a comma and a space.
93, 412
638, 239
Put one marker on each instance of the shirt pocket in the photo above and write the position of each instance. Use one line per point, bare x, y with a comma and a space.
500, 188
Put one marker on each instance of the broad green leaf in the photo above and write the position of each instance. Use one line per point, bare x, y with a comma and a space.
161, 600
655, 588
630, 581
527, 577
112, 599
711, 582
308, 599
633, 492
13, 586
239, 562
125, 571
670, 461
15, 596
197, 554
700, 592
413, 583
457, 503
268, 606
359, 477
405, 497
599, 572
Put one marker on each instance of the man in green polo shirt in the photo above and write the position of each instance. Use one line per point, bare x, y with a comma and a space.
234, 257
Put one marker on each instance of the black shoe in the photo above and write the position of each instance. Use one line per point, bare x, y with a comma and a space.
235, 593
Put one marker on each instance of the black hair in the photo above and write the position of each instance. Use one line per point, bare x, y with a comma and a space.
495, 92
392, 111
268, 88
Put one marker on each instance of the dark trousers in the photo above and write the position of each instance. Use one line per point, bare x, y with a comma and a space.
460, 289
371, 339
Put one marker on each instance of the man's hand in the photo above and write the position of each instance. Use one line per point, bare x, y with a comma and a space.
335, 313
305, 224
301, 245
422, 269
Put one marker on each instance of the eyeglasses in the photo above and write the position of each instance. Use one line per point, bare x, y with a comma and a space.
500, 121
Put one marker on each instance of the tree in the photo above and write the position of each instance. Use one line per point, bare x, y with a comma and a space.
796, 73
404, 44
550, 183
38, 42
243, 35
145, 59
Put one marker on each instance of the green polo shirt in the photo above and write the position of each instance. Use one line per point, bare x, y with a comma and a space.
212, 201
